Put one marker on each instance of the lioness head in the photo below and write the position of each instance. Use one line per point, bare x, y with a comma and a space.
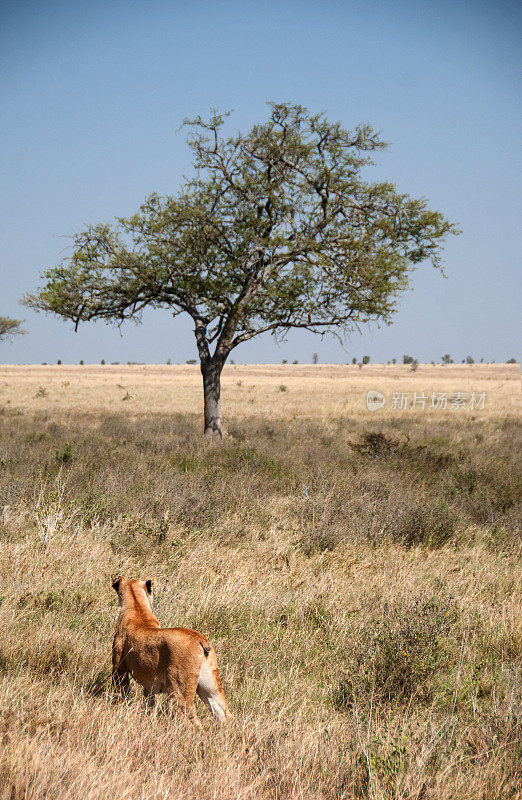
121, 586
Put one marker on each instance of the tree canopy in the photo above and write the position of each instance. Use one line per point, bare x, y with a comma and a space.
10, 327
276, 230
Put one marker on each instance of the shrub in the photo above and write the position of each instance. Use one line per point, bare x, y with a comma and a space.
398, 653
424, 524
64, 455
375, 445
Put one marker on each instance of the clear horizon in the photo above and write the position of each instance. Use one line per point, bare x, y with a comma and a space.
93, 97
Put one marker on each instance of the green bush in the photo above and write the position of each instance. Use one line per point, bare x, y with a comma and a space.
375, 445
398, 653
64, 455
422, 523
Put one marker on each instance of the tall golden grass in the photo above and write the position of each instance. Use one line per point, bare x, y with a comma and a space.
358, 573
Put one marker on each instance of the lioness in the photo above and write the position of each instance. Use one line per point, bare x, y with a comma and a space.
176, 661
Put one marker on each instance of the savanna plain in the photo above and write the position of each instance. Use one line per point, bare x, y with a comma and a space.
357, 572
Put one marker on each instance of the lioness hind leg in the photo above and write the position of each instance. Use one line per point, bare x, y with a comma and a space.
181, 704
121, 683
150, 698
210, 688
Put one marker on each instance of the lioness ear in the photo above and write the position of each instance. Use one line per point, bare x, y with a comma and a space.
149, 584
117, 583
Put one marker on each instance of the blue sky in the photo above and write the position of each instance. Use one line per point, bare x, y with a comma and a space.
92, 95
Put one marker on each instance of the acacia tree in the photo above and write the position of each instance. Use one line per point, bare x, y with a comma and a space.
276, 230
10, 327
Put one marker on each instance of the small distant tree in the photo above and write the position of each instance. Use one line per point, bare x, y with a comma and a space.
447, 359
511, 361
284, 361
414, 365
366, 360
470, 360
354, 360
59, 362
407, 359
81, 362
277, 230
102, 362
295, 361
315, 358
10, 327
191, 361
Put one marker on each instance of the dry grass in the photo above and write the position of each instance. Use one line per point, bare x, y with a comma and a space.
358, 573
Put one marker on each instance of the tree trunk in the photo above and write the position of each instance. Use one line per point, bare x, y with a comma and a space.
211, 371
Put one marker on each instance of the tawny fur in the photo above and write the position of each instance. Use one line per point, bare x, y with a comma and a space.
175, 661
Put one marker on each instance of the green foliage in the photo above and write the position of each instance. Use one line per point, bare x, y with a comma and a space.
399, 652
375, 445
10, 327
277, 229
420, 524
187, 463
64, 455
